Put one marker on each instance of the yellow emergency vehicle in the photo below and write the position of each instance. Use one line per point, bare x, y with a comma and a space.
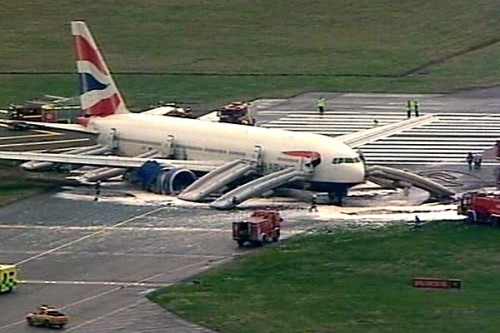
8, 277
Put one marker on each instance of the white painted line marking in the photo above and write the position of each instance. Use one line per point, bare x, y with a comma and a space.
97, 283
89, 235
102, 228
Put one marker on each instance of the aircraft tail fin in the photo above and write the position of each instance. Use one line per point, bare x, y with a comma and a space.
98, 92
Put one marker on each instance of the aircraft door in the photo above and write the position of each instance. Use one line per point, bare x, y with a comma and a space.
169, 147
257, 156
113, 140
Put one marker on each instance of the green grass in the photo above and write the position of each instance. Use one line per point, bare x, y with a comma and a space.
351, 281
206, 53
379, 46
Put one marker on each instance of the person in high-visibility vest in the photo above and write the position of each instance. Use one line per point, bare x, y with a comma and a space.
321, 105
408, 109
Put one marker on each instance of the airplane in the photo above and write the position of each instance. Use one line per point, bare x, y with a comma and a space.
169, 153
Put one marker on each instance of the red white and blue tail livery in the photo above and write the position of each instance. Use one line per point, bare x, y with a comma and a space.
184, 148
99, 94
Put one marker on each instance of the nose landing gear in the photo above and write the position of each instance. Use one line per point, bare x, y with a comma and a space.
336, 197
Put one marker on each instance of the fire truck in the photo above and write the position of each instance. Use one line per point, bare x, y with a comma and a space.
49, 109
481, 207
236, 113
261, 227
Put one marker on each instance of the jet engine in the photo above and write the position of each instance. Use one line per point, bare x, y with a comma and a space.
154, 177
173, 181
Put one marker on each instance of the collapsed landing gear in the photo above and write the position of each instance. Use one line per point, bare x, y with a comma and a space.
337, 196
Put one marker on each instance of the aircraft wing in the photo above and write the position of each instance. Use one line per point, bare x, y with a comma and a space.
42, 125
359, 138
109, 160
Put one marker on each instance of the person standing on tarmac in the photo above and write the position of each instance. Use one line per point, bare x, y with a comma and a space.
408, 109
469, 159
478, 158
415, 107
313, 206
97, 187
321, 105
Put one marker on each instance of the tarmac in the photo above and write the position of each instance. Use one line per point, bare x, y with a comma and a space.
97, 260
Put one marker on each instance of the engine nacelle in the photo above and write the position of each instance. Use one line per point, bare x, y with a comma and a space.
173, 181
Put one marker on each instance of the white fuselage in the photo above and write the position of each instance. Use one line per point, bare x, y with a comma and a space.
135, 134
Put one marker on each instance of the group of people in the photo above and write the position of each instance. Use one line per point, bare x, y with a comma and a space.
412, 106
474, 160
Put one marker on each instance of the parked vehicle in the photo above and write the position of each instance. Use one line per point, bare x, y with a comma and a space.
48, 109
47, 316
8, 277
261, 227
481, 207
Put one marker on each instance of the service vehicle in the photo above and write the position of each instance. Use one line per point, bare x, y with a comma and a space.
47, 316
8, 277
236, 113
48, 109
480, 207
261, 227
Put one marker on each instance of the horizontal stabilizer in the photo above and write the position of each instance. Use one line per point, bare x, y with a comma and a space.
57, 126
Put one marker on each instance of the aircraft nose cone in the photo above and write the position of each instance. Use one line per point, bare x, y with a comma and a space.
358, 174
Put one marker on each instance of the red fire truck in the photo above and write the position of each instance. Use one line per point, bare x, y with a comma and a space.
48, 109
236, 113
261, 227
481, 207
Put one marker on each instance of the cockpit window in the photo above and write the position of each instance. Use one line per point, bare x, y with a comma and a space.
341, 160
